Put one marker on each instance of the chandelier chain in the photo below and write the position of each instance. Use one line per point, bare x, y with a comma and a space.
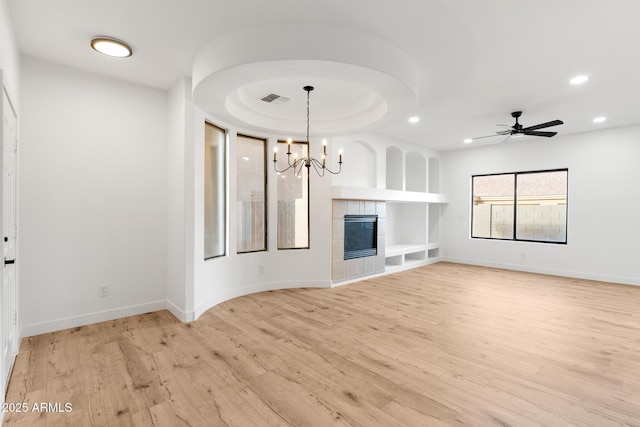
308, 92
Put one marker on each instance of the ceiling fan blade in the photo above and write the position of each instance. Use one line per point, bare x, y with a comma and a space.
486, 136
498, 133
544, 125
539, 133
506, 139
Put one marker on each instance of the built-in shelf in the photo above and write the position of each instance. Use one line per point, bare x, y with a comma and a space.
394, 250
404, 256
382, 194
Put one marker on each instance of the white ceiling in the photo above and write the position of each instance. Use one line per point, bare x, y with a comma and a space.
475, 61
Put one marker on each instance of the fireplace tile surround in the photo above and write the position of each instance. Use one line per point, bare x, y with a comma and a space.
342, 270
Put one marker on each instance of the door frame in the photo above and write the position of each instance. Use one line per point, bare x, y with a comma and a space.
9, 319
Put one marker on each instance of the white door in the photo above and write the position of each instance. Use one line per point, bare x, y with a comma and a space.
8, 279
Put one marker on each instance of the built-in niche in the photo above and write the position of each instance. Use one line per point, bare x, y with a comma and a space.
406, 235
415, 172
395, 169
406, 225
434, 224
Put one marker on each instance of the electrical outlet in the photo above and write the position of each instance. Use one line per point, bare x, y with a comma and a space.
523, 255
260, 268
103, 291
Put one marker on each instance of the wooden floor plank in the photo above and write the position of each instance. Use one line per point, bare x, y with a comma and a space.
441, 345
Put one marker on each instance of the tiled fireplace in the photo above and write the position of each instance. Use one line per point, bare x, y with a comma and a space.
341, 269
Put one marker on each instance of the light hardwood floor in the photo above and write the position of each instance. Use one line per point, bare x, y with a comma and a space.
441, 345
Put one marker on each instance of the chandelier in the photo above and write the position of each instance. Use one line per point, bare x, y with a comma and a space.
298, 163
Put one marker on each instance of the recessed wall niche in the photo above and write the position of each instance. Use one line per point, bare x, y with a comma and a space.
395, 169
416, 172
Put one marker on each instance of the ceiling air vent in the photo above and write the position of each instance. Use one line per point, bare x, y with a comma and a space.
273, 98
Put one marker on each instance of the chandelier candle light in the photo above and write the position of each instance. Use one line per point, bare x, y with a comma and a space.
298, 163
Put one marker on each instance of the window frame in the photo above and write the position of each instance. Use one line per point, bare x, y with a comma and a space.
264, 165
224, 208
285, 142
515, 207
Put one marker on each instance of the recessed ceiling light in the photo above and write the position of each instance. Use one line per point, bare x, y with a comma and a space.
111, 47
599, 119
578, 80
414, 119
468, 141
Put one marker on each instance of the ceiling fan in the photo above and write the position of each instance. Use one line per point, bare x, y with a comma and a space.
517, 130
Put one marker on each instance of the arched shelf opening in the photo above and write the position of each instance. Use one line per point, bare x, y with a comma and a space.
395, 169
416, 172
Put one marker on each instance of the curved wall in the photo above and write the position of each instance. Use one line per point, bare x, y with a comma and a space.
219, 279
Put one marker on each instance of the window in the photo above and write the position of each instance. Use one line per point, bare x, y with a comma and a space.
251, 194
293, 199
214, 191
528, 206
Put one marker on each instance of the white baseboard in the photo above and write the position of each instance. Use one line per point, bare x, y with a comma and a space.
549, 271
87, 319
183, 316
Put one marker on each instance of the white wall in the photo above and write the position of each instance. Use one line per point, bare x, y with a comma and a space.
603, 207
93, 206
9, 55
176, 204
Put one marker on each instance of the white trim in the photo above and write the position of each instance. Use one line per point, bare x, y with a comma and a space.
183, 316
87, 319
549, 271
